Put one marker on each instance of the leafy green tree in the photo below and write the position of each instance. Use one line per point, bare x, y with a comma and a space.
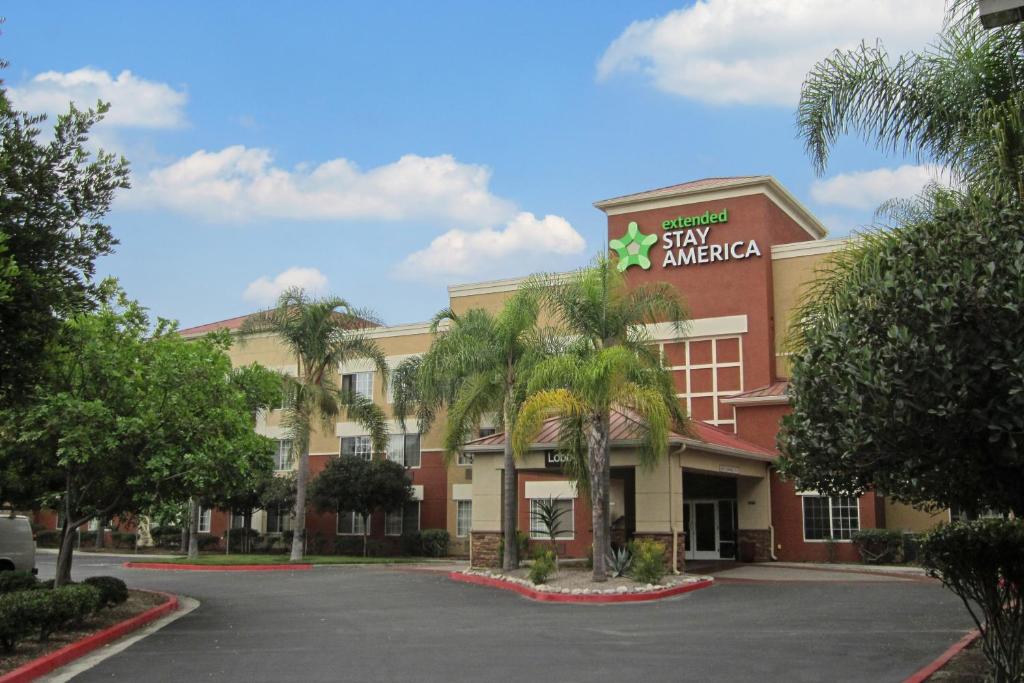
959, 103
477, 367
127, 416
270, 491
322, 334
350, 483
909, 371
53, 196
608, 363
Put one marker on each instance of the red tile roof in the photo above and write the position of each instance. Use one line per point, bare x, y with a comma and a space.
626, 429
229, 324
776, 392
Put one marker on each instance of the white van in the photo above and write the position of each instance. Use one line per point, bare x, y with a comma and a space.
17, 544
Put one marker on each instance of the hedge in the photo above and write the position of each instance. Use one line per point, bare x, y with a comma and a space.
878, 546
113, 591
11, 582
42, 612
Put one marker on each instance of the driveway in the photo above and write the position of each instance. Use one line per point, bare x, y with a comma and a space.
388, 624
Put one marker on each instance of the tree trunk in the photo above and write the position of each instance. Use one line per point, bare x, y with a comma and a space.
193, 528
67, 549
247, 521
599, 466
510, 561
98, 544
299, 535
366, 531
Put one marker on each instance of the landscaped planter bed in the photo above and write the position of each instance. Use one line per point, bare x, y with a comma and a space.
32, 659
575, 585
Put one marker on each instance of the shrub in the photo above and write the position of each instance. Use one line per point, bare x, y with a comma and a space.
878, 546
410, 543
619, 562
48, 538
434, 542
113, 591
348, 545
542, 568
648, 561
208, 542
19, 616
123, 539
70, 604
11, 582
983, 563
522, 545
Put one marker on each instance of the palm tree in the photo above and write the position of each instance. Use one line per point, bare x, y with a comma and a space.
959, 103
478, 367
608, 362
322, 334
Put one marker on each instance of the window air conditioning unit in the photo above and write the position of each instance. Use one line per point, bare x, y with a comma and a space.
995, 13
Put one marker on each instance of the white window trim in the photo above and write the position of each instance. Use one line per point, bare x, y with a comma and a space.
205, 519
339, 532
403, 435
544, 537
469, 529
831, 525
277, 456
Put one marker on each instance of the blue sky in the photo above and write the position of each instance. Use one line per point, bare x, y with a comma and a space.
380, 151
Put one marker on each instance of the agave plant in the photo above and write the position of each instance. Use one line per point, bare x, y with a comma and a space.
619, 561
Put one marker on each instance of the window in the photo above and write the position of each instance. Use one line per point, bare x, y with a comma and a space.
487, 431
237, 520
835, 517
393, 523
566, 525
279, 519
358, 446
358, 383
465, 459
463, 517
205, 515
404, 449
351, 524
283, 458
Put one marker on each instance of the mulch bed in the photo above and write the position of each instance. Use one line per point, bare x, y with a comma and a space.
968, 666
29, 649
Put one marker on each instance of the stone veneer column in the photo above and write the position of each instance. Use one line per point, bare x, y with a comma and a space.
667, 540
762, 540
485, 546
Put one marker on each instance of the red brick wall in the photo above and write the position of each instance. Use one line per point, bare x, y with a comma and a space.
760, 424
787, 516
583, 538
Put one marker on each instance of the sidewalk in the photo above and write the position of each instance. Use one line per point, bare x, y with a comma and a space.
89, 553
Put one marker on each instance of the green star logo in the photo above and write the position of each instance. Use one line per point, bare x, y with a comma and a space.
633, 248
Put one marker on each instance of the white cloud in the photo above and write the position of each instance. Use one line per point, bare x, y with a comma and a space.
868, 189
758, 52
242, 184
264, 290
134, 102
523, 242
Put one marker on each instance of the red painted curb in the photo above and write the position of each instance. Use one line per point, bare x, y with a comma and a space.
922, 675
543, 596
69, 653
217, 567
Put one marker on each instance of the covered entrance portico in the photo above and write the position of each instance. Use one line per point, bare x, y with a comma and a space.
709, 517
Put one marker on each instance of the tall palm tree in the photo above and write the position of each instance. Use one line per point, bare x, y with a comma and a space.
322, 334
477, 367
608, 361
958, 103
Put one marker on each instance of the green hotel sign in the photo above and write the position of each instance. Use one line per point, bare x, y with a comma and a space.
686, 240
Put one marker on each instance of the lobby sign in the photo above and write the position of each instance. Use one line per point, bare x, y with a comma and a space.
553, 460
687, 241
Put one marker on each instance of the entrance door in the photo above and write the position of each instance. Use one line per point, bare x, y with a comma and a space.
710, 529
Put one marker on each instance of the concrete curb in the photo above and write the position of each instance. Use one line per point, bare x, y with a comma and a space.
169, 566
923, 674
608, 598
47, 663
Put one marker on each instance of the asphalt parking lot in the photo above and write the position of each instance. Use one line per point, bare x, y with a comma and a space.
390, 624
